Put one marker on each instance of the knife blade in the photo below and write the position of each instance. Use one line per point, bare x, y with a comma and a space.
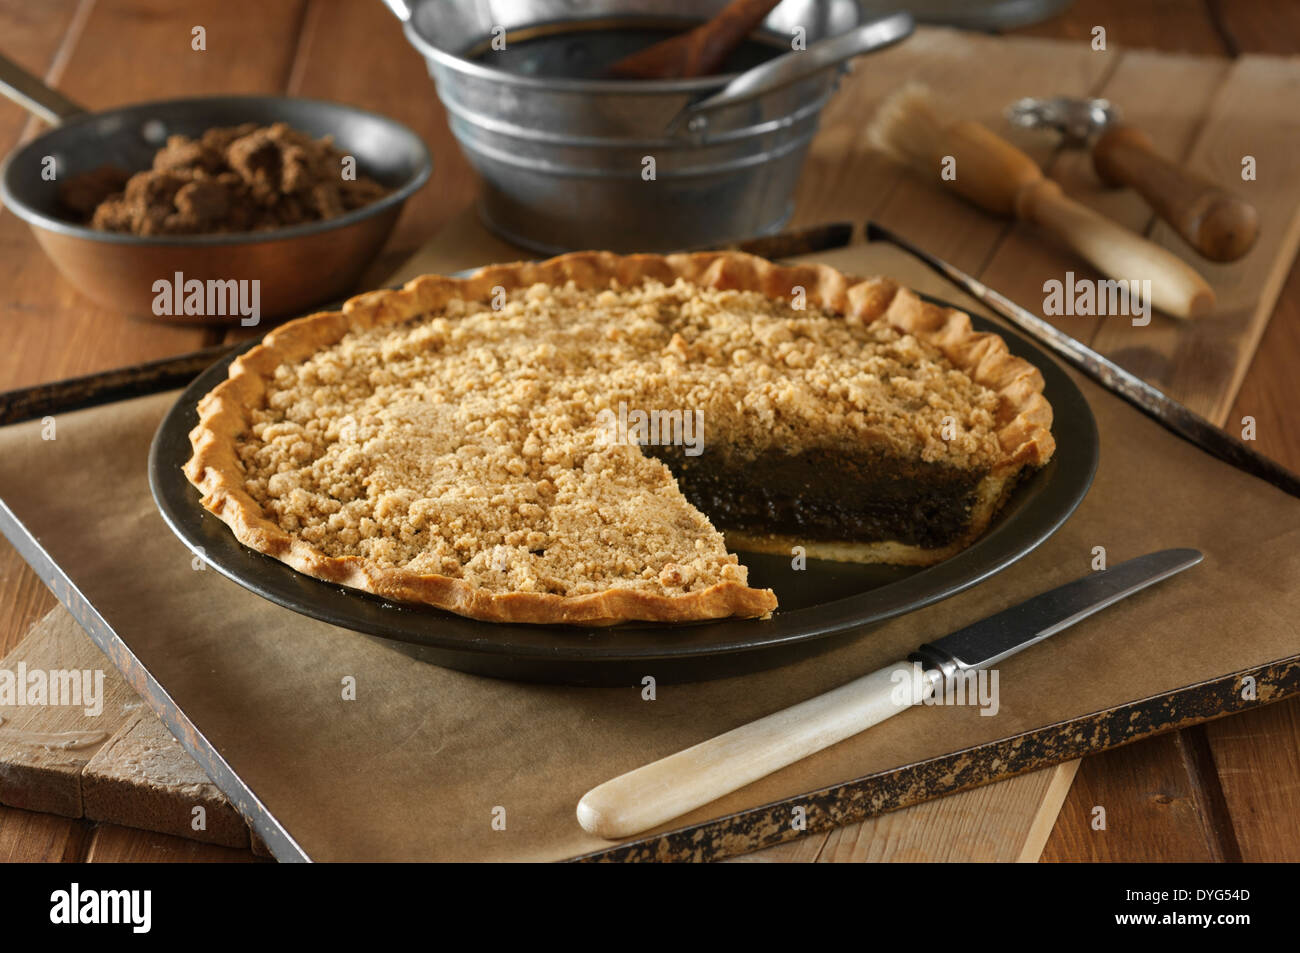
1013, 630
121, 383
1153, 402
670, 787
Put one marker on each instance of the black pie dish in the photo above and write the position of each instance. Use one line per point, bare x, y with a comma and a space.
822, 606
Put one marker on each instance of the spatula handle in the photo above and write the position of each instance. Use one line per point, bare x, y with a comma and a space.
1219, 225
672, 786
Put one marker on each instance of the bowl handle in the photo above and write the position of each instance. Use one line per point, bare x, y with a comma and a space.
38, 99
798, 64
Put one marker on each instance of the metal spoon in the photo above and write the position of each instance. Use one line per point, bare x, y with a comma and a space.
1219, 225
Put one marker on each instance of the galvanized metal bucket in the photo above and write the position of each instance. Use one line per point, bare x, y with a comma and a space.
635, 165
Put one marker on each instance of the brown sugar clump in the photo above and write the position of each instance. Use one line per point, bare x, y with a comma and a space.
83, 193
231, 179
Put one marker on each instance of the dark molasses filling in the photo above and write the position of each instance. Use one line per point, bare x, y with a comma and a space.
828, 495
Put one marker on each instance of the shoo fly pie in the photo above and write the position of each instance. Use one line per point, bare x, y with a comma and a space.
588, 439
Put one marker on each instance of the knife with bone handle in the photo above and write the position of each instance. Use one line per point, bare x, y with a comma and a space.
656, 793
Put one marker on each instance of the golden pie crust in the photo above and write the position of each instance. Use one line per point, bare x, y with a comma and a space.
436, 444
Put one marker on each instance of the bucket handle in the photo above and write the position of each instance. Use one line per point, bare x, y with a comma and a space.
798, 64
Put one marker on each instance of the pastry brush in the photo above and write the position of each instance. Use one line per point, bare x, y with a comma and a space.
993, 174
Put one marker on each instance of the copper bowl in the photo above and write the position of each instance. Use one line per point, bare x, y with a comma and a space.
296, 267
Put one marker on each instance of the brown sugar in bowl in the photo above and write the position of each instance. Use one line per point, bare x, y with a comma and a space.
295, 267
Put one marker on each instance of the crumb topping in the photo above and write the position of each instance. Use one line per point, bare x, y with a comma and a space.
476, 443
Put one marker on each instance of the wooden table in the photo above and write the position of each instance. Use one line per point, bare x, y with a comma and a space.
1229, 790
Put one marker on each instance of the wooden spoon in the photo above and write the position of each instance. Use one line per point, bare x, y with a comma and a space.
700, 51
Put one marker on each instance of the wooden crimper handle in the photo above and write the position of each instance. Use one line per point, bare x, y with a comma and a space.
1176, 288
997, 176
1216, 223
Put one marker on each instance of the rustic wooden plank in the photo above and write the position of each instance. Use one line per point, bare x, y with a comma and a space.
805, 850
110, 844
1006, 822
1150, 805
1049, 809
31, 837
1268, 393
43, 748
1009, 821
250, 49
1257, 26
143, 778
368, 33
1257, 754
1176, 25
33, 37
24, 599
1207, 791
131, 772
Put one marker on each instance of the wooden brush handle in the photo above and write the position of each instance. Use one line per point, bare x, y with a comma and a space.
650, 796
700, 51
997, 176
1216, 223
1176, 287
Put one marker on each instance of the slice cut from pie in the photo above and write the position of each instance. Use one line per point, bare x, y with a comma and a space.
568, 441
